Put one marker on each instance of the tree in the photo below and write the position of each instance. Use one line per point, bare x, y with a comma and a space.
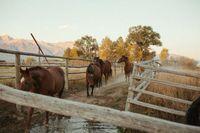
106, 49
144, 37
67, 52
87, 46
164, 54
119, 48
29, 60
73, 53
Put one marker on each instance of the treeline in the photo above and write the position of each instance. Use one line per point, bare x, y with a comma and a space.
136, 45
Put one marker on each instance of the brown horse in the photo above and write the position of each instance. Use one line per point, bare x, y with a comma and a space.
106, 68
193, 113
128, 68
93, 77
42, 81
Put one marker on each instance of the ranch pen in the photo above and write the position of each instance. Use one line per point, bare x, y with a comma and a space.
124, 119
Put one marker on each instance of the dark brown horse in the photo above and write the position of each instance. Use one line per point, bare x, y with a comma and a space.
193, 113
106, 68
42, 81
128, 68
93, 77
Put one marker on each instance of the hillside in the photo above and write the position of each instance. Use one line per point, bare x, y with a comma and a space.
10, 43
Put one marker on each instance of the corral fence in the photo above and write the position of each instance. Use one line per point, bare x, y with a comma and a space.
61, 61
65, 107
151, 68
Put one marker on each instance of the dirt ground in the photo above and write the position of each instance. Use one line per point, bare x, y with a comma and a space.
112, 95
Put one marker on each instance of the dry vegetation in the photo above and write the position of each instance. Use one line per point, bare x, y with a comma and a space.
169, 91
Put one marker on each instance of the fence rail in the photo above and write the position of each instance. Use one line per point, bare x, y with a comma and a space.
93, 112
147, 77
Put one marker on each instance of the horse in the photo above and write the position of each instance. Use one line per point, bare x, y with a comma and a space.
93, 77
128, 68
193, 113
106, 68
44, 81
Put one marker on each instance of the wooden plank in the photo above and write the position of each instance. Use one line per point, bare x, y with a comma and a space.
76, 72
7, 77
169, 83
94, 112
66, 75
7, 65
164, 96
140, 93
17, 70
158, 69
156, 107
33, 54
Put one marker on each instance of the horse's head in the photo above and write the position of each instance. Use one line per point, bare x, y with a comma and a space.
27, 83
96, 59
123, 59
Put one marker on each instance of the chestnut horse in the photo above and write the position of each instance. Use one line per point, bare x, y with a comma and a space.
128, 68
106, 68
93, 77
193, 113
39, 80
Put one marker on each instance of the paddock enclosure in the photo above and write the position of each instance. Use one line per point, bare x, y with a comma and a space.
126, 118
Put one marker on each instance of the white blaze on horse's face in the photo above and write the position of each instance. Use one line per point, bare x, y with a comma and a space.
22, 79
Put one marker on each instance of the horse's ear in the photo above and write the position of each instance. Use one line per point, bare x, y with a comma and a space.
22, 71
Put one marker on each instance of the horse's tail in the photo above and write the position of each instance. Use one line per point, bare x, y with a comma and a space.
192, 115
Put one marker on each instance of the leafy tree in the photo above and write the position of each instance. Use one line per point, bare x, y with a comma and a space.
73, 53
106, 49
29, 60
164, 54
144, 37
86, 46
120, 48
67, 52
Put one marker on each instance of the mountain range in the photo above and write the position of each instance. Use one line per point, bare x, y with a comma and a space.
24, 45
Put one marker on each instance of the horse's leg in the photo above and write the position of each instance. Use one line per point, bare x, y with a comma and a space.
92, 90
28, 124
106, 78
87, 89
60, 93
46, 117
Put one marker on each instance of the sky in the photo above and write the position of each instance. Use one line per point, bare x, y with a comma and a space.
177, 21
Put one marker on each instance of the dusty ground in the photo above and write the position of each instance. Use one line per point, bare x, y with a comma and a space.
112, 95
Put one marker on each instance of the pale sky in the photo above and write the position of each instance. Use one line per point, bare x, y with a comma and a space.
177, 21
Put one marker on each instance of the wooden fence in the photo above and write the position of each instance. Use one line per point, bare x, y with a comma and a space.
148, 77
97, 113
64, 64
93, 112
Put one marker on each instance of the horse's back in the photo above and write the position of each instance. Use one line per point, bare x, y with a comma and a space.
58, 76
193, 113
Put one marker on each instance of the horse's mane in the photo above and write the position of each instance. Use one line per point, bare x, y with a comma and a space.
36, 68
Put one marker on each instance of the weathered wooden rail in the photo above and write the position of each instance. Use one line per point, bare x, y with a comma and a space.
64, 64
92, 112
135, 92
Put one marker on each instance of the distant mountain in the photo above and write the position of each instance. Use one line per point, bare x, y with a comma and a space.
24, 45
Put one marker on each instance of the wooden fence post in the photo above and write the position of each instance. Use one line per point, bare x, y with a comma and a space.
17, 78
17, 70
130, 93
66, 74
115, 70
